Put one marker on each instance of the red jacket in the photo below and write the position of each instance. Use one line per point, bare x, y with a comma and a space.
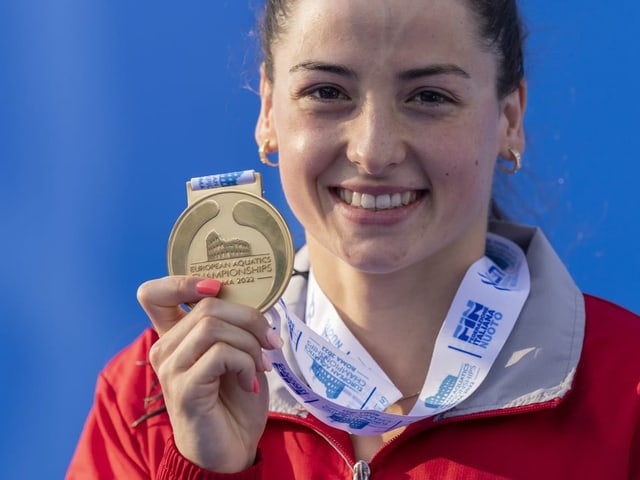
562, 401
594, 433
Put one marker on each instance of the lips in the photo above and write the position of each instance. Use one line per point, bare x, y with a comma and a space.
385, 201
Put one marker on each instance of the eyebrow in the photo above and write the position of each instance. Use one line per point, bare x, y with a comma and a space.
324, 67
431, 70
411, 74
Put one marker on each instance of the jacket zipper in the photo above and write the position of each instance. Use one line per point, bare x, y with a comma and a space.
360, 470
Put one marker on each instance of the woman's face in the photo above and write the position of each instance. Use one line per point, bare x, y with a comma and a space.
387, 124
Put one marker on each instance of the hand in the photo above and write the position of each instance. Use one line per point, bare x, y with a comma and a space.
210, 365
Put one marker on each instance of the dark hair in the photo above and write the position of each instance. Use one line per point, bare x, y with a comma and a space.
499, 25
275, 14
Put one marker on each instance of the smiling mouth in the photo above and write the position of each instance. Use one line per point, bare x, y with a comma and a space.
386, 201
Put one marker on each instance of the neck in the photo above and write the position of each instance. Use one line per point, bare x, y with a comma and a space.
396, 316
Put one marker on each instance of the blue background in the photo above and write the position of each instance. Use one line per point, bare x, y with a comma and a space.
107, 108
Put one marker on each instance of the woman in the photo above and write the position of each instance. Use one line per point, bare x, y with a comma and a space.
388, 118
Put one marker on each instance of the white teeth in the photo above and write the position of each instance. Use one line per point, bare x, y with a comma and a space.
383, 202
408, 197
376, 202
356, 199
368, 201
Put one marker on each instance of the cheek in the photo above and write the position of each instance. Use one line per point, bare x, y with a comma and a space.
304, 154
301, 161
293, 179
300, 168
465, 175
304, 141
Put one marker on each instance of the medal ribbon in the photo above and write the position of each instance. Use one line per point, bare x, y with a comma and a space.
223, 180
343, 386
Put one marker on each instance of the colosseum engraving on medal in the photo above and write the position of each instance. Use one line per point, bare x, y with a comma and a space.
219, 249
232, 261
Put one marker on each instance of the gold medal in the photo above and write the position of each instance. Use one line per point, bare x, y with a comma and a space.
230, 233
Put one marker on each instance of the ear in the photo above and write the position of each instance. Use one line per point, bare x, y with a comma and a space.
265, 126
512, 116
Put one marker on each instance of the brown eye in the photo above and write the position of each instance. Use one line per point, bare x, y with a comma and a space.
431, 97
328, 92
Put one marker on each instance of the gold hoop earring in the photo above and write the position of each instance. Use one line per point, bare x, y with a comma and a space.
516, 159
262, 152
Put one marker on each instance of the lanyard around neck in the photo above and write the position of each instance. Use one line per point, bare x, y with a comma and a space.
344, 387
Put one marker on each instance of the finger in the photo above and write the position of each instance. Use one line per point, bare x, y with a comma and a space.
209, 331
162, 299
242, 316
213, 320
223, 360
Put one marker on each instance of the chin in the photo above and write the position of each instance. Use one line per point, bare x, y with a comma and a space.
376, 260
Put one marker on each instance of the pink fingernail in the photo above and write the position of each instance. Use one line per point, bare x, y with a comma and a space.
256, 385
208, 287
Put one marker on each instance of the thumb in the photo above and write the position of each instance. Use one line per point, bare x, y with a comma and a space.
162, 299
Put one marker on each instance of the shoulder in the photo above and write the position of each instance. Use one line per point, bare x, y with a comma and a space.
612, 335
606, 319
130, 379
115, 443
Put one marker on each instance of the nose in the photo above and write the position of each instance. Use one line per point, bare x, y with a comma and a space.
376, 141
